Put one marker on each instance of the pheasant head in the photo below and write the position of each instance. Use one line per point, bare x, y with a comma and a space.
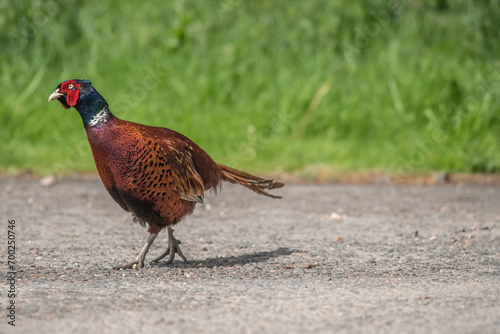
81, 95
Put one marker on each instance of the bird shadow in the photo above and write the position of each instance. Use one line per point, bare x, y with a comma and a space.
228, 261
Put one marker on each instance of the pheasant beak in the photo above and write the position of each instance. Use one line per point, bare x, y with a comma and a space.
55, 95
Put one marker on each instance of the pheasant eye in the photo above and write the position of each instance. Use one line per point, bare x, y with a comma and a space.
70, 86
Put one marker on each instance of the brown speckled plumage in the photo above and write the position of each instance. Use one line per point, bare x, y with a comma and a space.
147, 170
156, 174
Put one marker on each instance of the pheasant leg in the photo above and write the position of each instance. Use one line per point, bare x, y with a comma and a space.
173, 247
139, 262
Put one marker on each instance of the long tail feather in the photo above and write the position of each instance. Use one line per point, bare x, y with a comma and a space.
252, 182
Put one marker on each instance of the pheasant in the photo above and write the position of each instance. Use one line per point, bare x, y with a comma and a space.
156, 174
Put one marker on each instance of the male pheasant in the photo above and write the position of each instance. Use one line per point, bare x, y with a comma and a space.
156, 174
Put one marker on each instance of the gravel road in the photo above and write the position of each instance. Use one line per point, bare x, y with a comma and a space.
324, 259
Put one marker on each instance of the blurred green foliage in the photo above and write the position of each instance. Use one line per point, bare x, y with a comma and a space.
402, 86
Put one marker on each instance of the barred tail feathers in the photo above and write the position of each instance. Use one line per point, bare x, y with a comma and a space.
254, 183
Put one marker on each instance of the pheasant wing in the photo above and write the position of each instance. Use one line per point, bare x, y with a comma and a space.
180, 159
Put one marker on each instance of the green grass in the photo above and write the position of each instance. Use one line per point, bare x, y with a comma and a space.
412, 89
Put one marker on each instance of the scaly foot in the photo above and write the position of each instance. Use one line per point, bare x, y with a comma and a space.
173, 247
139, 262
132, 265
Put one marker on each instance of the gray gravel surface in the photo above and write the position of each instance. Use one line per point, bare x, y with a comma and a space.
324, 259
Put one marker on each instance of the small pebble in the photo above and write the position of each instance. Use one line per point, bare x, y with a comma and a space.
335, 216
47, 181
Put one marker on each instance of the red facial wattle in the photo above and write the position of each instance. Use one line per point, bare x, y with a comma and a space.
73, 93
